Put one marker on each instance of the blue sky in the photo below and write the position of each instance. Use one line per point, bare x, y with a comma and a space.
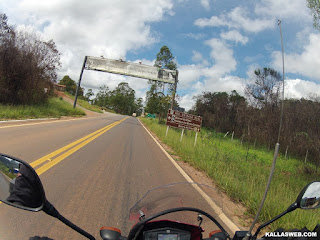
217, 44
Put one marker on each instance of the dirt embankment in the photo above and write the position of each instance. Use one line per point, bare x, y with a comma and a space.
71, 101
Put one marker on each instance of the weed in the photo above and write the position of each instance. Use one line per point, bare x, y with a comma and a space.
243, 173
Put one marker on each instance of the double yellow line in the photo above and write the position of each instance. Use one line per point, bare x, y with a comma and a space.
69, 149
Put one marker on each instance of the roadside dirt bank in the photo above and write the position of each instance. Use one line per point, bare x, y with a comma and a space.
71, 101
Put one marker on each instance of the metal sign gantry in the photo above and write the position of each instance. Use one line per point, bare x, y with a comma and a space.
121, 67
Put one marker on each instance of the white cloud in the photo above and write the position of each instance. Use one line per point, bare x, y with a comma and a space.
189, 74
214, 21
195, 36
307, 63
187, 101
202, 77
251, 59
240, 19
223, 57
297, 88
222, 84
237, 18
225, 84
234, 36
295, 10
94, 28
197, 57
145, 61
205, 4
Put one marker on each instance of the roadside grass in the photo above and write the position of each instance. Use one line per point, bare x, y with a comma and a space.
54, 108
87, 105
243, 175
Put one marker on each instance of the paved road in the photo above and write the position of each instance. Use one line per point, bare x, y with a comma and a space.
95, 185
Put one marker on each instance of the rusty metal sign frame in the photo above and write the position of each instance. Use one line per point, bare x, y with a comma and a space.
128, 69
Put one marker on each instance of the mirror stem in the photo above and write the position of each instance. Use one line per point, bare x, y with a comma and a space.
52, 211
290, 209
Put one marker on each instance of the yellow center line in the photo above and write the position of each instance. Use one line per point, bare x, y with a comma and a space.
53, 154
83, 141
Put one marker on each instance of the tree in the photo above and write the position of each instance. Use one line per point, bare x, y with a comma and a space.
314, 6
71, 86
156, 100
266, 88
237, 104
6, 31
27, 65
102, 98
89, 94
165, 59
122, 99
139, 106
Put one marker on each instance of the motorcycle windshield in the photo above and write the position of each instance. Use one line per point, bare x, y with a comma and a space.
185, 194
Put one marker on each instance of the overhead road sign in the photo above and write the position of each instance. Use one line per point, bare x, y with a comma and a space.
138, 70
121, 67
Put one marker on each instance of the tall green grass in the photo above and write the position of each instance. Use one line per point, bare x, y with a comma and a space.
85, 104
54, 107
243, 174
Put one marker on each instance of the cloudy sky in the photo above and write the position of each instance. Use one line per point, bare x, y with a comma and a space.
217, 44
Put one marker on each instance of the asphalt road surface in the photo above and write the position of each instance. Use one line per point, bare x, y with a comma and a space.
93, 171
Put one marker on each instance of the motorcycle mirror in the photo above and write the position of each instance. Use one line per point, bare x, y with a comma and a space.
20, 185
309, 198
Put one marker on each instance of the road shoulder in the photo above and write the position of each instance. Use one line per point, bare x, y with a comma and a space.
233, 210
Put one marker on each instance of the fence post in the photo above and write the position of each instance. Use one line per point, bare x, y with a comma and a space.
181, 135
195, 139
305, 159
286, 154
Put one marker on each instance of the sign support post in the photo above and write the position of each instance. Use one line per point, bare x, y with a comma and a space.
77, 91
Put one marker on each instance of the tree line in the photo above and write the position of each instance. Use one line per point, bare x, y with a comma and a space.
256, 117
28, 65
122, 99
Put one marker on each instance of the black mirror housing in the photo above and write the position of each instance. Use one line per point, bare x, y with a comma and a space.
20, 185
309, 197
